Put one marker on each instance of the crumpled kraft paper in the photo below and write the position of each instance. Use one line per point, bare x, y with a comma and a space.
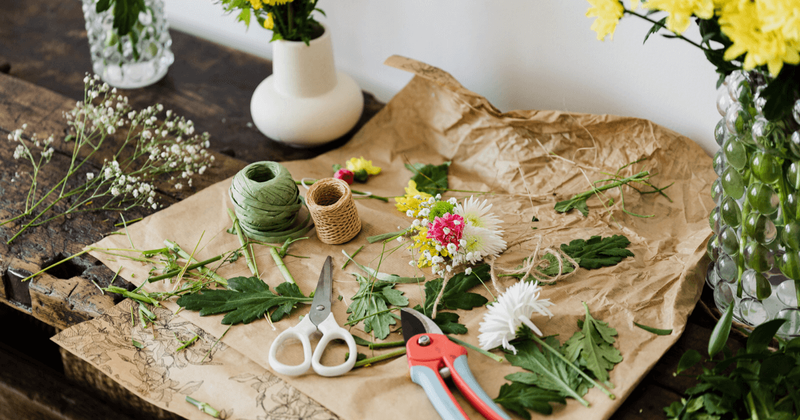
525, 161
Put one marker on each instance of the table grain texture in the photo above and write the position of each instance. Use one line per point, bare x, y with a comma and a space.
44, 56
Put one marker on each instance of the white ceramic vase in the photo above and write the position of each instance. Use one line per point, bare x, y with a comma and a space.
306, 102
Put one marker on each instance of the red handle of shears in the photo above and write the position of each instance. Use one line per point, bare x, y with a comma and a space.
440, 352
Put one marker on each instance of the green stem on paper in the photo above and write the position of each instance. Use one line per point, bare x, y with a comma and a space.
371, 360
494, 357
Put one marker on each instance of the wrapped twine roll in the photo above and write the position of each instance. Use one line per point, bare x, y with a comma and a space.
267, 202
334, 211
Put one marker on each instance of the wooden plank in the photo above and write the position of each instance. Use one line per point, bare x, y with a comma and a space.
29, 390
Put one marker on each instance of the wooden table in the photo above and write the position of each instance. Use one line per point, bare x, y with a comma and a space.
43, 58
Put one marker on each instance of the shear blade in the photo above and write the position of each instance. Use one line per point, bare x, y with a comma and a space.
414, 323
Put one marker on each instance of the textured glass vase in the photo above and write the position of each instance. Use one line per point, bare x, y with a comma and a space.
755, 247
138, 59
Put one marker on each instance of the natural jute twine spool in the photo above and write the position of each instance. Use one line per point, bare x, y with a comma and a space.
331, 205
267, 202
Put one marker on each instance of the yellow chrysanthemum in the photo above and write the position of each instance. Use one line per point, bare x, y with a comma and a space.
409, 201
767, 34
681, 11
276, 2
356, 164
608, 14
257, 4
423, 243
269, 22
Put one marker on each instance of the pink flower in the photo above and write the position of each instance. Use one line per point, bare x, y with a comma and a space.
344, 174
447, 229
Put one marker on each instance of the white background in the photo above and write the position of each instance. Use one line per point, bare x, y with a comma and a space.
520, 54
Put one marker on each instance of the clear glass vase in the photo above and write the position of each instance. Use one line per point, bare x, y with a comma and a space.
138, 59
755, 247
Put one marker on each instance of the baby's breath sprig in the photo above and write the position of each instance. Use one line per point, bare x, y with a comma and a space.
152, 147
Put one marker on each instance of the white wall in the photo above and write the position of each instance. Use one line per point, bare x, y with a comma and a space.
520, 54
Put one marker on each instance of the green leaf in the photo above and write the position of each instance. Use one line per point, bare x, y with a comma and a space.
552, 269
137, 344
371, 304
655, 28
431, 179
689, 359
762, 335
719, 336
594, 345
102, 6
245, 300
456, 295
597, 251
244, 16
655, 331
578, 203
520, 398
448, 322
546, 370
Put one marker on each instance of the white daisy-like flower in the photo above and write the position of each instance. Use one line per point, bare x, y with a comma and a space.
512, 309
477, 213
482, 243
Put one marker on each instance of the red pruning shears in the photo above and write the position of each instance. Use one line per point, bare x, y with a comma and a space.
433, 357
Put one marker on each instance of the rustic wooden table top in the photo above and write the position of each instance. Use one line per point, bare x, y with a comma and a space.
43, 59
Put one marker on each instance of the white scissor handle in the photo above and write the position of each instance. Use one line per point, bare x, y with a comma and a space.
331, 331
301, 332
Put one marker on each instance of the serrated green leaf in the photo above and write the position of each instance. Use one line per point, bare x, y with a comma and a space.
520, 398
577, 203
448, 322
245, 300
371, 303
593, 344
552, 268
551, 373
597, 252
431, 179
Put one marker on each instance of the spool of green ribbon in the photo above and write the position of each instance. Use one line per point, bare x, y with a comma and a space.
267, 202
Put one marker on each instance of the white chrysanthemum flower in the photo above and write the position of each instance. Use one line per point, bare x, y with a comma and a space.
512, 309
482, 243
476, 213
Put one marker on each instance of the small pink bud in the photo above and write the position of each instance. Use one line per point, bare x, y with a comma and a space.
346, 175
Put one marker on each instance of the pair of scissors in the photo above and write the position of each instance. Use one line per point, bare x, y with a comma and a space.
433, 357
319, 319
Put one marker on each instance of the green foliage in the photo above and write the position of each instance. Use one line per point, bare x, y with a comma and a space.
430, 179
561, 369
597, 252
245, 300
371, 304
755, 383
455, 296
519, 398
126, 13
594, 345
292, 21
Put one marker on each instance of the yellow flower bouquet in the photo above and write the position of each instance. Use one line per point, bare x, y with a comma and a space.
745, 35
291, 20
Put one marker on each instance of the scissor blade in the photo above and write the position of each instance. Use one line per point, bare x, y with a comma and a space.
414, 323
321, 305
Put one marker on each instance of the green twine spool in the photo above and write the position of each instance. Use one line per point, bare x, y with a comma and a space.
267, 202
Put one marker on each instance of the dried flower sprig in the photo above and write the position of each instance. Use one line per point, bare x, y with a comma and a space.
151, 148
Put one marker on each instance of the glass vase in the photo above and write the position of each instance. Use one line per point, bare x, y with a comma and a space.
755, 247
135, 60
